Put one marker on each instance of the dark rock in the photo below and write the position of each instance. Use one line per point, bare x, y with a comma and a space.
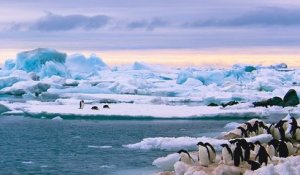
291, 98
212, 104
231, 103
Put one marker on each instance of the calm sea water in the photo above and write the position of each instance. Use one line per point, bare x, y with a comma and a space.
43, 146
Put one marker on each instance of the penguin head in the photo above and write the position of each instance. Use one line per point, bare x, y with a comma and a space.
233, 141
201, 144
224, 145
251, 145
182, 151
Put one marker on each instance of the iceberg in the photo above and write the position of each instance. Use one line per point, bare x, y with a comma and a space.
44, 62
82, 67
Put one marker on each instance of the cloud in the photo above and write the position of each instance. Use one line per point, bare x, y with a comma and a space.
54, 22
148, 24
267, 16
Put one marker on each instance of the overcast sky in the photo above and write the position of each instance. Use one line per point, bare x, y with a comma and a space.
99, 25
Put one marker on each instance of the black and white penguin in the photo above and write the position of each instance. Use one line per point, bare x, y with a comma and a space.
203, 154
262, 155
81, 104
249, 129
185, 157
272, 147
212, 152
238, 155
290, 146
279, 132
243, 132
227, 155
262, 128
271, 129
95, 108
295, 130
254, 165
246, 149
282, 149
105, 107
233, 143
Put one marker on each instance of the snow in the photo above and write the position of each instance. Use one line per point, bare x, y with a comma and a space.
287, 166
189, 143
166, 163
135, 109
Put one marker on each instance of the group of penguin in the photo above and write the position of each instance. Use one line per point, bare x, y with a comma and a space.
81, 106
255, 154
282, 130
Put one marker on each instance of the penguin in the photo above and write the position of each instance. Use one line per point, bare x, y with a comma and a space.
246, 149
297, 134
237, 155
257, 145
295, 130
203, 154
95, 108
271, 129
279, 133
255, 127
262, 155
290, 147
249, 129
212, 152
227, 154
254, 165
185, 157
81, 104
243, 132
233, 144
272, 147
105, 107
261, 128
282, 149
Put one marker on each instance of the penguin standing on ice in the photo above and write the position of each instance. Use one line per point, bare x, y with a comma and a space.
246, 149
227, 155
243, 132
212, 152
283, 150
203, 154
238, 155
272, 147
81, 104
262, 155
295, 130
185, 157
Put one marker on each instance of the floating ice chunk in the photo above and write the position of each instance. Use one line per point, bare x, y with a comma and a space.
102, 147
174, 143
166, 163
57, 118
3, 108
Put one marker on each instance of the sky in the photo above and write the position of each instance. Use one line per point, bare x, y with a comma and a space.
183, 32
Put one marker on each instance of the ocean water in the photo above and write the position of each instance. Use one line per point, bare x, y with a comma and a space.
44, 146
